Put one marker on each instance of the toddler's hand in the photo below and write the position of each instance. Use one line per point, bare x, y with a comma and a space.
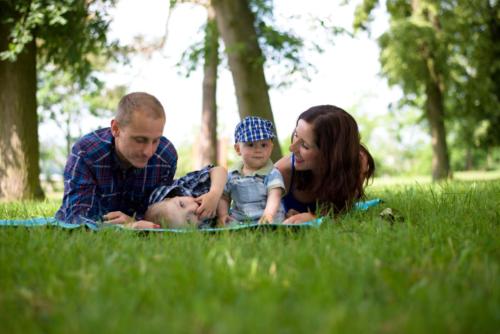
266, 219
224, 220
208, 205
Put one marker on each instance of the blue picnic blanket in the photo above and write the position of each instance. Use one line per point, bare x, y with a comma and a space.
96, 226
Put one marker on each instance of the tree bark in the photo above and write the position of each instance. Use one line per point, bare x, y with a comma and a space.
469, 159
434, 104
208, 136
435, 115
235, 21
19, 151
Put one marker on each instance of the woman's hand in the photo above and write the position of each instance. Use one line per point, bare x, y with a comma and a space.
299, 218
291, 212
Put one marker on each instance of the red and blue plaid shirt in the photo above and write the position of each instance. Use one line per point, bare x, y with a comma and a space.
95, 184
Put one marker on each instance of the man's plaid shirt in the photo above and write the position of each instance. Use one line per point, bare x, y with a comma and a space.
95, 184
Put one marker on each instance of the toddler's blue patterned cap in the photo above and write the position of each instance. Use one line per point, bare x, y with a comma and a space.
252, 129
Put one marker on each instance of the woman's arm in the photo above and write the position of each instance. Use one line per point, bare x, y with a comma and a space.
300, 218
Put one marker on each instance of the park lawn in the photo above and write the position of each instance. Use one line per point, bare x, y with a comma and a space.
436, 271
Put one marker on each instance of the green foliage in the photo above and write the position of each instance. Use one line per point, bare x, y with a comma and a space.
463, 39
283, 50
59, 94
192, 57
401, 54
280, 47
402, 147
68, 104
476, 71
67, 32
362, 14
436, 271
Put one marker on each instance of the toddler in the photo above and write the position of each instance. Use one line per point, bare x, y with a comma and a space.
255, 186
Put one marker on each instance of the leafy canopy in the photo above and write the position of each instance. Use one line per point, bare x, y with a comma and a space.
67, 32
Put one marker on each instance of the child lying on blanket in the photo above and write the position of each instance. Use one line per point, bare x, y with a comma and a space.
191, 201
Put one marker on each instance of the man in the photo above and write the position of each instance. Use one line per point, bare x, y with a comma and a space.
111, 172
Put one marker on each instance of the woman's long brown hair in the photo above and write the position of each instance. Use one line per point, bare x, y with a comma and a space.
337, 183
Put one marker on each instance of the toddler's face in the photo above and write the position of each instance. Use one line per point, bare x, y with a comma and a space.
255, 154
179, 212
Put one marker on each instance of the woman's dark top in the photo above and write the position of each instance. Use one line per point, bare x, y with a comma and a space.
290, 202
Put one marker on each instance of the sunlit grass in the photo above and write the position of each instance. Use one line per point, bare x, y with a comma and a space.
427, 179
435, 271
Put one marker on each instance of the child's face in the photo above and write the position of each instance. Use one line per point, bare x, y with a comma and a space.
179, 211
254, 154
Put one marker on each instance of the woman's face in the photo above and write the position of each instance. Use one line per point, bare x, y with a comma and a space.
304, 147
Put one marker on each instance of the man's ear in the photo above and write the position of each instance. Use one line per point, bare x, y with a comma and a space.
115, 129
237, 148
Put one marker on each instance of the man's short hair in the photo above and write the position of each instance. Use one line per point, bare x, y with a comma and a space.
138, 101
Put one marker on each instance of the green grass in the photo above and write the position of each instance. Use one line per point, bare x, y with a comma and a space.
437, 271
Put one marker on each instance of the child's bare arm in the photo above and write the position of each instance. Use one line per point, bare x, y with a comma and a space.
218, 177
208, 202
272, 205
223, 210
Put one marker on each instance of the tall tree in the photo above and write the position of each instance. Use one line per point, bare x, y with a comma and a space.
62, 101
476, 47
206, 52
413, 56
236, 21
276, 48
19, 169
445, 54
208, 135
39, 31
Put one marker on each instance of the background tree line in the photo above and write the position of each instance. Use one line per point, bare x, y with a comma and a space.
443, 54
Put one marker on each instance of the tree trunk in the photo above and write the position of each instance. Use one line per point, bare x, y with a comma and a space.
469, 159
235, 21
208, 136
434, 104
435, 115
19, 155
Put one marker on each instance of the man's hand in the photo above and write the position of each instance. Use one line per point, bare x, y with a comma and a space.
141, 224
117, 217
208, 205
300, 218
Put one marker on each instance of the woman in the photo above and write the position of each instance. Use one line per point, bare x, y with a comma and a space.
328, 165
